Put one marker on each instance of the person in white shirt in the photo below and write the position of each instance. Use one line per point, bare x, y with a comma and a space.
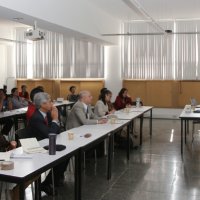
101, 108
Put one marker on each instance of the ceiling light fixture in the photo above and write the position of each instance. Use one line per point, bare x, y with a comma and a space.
167, 32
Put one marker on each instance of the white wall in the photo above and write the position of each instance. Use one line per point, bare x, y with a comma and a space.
113, 69
7, 65
77, 15
3, 62
7, 61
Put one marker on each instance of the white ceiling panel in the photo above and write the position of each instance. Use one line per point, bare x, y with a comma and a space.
116, 8
163, 13
172, 9
158, 9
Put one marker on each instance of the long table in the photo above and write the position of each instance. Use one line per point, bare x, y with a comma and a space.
26, 169
21, 112
135, 112
185, 116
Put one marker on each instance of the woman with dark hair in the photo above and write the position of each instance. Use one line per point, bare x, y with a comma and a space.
73, 96
123, 100
101, 108
23, 92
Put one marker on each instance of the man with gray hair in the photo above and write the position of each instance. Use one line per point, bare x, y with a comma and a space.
44, 121
81, 113
45, 118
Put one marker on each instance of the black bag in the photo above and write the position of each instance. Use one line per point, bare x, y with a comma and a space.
121, 139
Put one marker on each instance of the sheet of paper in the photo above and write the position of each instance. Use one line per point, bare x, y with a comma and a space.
5, 156
31, 145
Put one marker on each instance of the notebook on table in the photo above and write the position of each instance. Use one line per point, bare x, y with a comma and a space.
31, 145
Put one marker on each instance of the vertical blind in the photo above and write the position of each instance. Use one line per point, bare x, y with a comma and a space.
59, 56
21, 54
161, 57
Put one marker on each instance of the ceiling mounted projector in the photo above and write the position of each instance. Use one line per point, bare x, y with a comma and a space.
34, 34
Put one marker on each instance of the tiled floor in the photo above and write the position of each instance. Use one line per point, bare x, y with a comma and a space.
156, 171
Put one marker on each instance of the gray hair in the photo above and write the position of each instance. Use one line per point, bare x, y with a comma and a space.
83, 93
40, 98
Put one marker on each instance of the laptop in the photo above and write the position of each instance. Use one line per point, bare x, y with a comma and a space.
193, 101
60, 100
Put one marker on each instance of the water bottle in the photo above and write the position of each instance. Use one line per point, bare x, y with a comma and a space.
137, 102
52, 144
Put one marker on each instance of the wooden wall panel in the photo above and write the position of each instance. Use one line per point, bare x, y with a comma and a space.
163, 94
29, 83
187, 90
136, 89
56, 89
60, 88
47, 84
175, 88
159, 93
65, 85
94, 87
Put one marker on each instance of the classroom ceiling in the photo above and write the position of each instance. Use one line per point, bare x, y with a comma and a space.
157, 9
159, 14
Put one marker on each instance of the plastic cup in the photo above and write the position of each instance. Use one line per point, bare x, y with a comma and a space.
70, 136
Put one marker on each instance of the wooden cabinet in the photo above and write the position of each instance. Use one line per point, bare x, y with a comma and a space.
60, 88
164, 94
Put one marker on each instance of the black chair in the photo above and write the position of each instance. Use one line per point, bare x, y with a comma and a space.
194, 122
23, 134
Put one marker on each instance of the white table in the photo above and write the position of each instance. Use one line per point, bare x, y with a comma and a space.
135, 112
63, 103
27, 168
185, 116
21, 112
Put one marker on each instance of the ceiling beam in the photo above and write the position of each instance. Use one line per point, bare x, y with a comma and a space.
136, 7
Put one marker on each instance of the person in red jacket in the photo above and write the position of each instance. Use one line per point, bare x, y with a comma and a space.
123, 100
31, 106
24, 93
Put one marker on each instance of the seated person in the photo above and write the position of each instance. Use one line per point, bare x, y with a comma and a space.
123, 100
101, 108
44, 121
31, 106
101, 91
73, 96
40, 87
81, 113
5, 145
24, 93
5, 104
18, 102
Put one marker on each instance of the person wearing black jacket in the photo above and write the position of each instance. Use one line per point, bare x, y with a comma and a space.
44, 121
